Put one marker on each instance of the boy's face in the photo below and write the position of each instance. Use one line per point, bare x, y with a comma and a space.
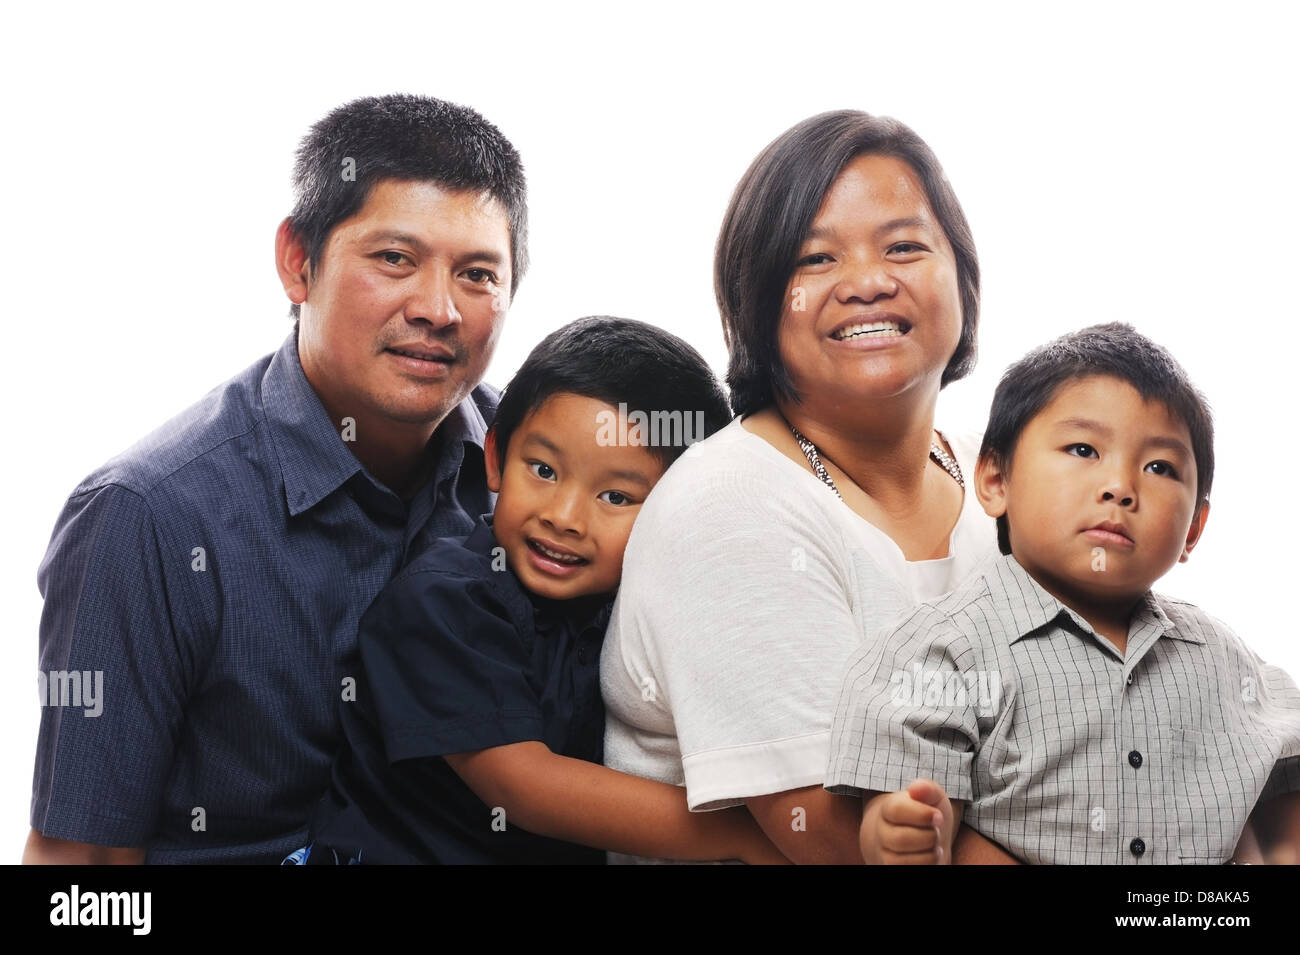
566, 502
1101, 492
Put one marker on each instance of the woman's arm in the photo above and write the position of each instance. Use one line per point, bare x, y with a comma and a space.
811, 826
578, 801
971, 848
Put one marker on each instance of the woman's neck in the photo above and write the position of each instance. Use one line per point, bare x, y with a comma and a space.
885, 453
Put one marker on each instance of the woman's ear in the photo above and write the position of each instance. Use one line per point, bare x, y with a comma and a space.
491, 464
991, 485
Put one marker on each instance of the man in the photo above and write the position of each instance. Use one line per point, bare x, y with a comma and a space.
212, 576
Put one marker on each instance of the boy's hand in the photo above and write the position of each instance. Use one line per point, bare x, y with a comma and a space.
912, 827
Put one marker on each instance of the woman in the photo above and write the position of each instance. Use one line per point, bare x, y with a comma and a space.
849, 289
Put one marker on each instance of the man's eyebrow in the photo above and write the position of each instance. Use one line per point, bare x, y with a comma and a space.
415, 242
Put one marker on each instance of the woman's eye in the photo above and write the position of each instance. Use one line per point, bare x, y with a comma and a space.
543, 471
906, 248
1081, 450
817, 258
617, 498
1163, 467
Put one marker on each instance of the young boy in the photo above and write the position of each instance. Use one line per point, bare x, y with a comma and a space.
475, 731
1054, 704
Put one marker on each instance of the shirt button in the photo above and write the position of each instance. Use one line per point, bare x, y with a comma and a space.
1129, 681
1135, 759
1137, 847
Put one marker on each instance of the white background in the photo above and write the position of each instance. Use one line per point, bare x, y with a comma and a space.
1116, 161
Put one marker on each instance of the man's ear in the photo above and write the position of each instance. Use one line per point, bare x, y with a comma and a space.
291, 262
991, 485
1198, 527
491, 463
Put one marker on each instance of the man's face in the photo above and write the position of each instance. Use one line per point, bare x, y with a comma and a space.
401, 316
1101, 493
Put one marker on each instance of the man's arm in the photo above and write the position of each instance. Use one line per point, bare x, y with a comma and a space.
810, 825
41, 850
578, 801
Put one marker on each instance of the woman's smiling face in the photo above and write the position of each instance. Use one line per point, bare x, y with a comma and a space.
872, 308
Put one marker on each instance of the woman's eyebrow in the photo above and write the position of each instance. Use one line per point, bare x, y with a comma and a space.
903, 222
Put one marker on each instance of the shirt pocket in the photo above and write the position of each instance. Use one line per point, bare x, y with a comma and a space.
1215, 778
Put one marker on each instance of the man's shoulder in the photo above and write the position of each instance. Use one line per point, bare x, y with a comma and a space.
197, 438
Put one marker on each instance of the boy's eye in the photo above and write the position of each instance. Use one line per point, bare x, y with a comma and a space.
1163, 467
543, 471
617, 498
1081, 450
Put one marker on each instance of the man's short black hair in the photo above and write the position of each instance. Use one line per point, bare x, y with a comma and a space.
405, 138
619, 361
1116, 350
771, 211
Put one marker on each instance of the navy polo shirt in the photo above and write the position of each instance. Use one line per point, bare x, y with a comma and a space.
457, 656
214, 575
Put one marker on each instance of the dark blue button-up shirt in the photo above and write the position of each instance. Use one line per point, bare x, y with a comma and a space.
210, 580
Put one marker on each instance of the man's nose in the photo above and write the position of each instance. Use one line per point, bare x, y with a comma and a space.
433, 299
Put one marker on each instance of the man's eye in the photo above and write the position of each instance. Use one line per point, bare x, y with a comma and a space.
394, 258
543, 471
617, 498
1081, 450
479, 276
1164, 468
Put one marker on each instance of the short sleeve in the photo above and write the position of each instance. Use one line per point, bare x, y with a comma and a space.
908, 708
447, 667
111, 673
733, 622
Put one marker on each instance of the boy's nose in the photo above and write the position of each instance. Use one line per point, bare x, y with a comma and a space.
564, 513
1119, 492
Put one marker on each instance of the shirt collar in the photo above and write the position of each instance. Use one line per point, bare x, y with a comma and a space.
314, 462
1026, 606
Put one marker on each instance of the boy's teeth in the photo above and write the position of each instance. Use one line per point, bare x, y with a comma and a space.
563, 558
878, 329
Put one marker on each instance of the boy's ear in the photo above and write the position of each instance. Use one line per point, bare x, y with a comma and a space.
491, 464
991, 486
291, 263
1194, 532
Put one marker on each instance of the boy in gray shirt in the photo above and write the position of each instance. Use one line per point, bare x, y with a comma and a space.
1053, 703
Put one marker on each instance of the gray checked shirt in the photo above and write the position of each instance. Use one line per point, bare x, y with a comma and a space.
1064, 750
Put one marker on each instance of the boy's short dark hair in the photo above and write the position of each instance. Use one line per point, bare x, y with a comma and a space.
409, 138
617, 361
1115, 349
768, 218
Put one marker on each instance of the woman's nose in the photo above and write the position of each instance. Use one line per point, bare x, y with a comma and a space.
866, 281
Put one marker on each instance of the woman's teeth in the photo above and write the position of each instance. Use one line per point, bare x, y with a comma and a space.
877, 329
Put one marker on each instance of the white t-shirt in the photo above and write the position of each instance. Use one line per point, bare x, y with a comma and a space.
746, 585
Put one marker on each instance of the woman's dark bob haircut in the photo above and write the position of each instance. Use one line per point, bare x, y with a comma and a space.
771, 212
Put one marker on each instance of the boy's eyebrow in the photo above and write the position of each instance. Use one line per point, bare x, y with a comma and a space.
632, 477
1157, 441
547, 443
